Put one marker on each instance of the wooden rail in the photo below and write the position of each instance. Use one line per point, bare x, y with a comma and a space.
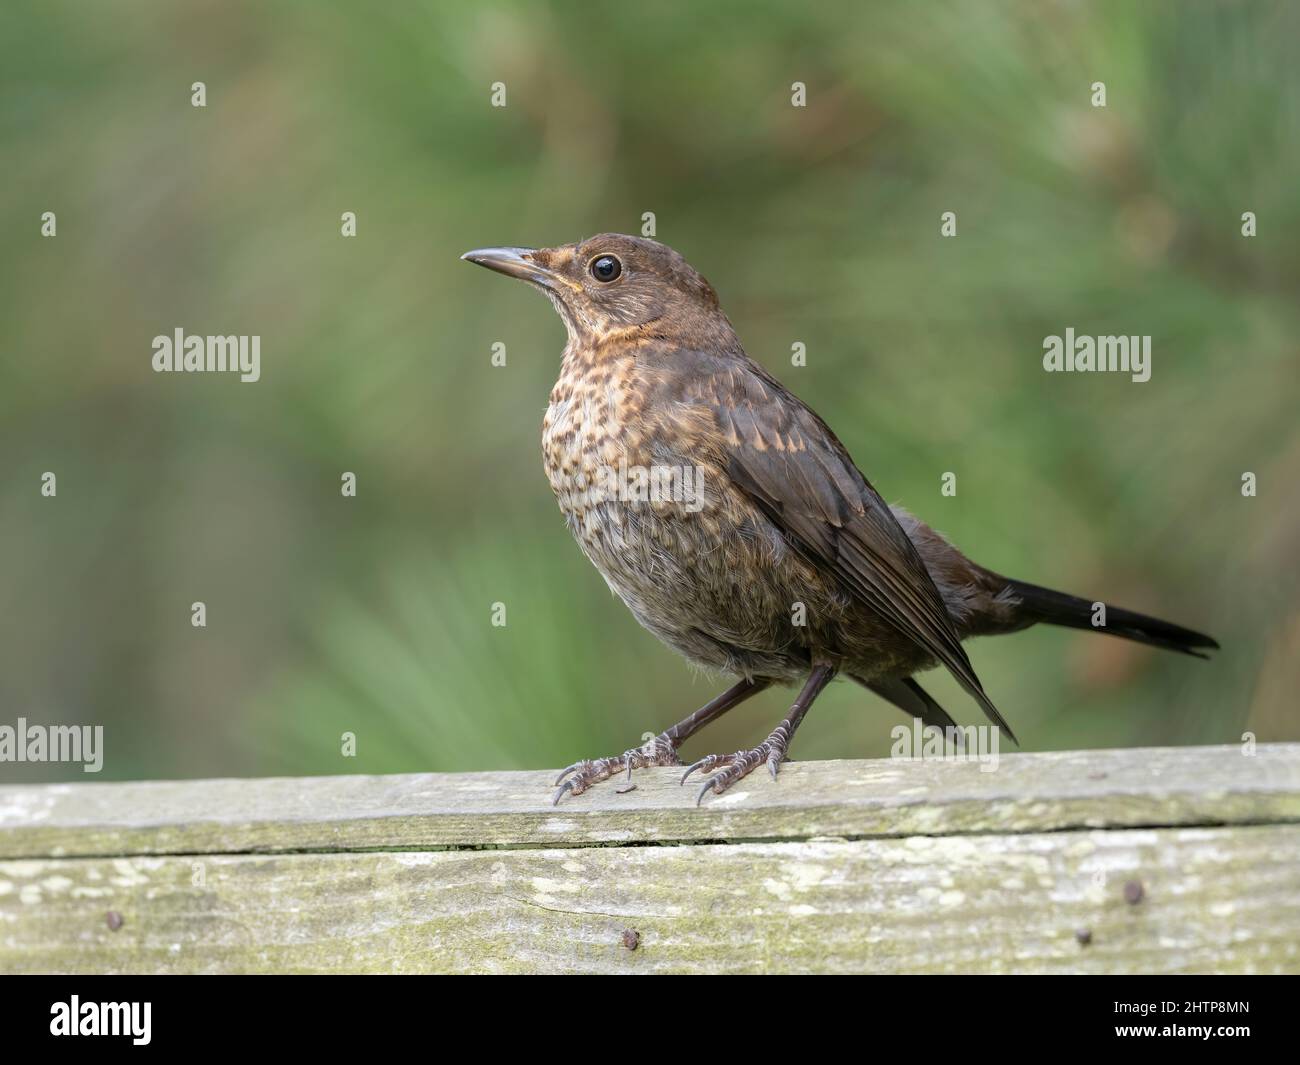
1162, 860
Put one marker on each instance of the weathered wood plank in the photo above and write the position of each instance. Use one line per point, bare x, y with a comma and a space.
1213, 899
1027, 793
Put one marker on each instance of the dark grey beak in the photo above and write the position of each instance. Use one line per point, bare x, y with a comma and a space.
513, 262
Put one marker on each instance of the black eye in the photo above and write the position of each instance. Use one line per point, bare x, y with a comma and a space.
605, 268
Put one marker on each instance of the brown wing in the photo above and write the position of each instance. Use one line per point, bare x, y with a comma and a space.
790, 463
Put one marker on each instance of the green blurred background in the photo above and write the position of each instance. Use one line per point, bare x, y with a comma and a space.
820, 225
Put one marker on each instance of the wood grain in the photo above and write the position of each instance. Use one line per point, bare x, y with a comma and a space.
1106, 861
857, 799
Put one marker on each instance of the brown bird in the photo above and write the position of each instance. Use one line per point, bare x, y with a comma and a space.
734, 524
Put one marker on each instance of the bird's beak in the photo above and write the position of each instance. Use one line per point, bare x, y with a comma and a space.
513, 262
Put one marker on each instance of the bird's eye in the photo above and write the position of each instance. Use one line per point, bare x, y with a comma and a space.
605, 268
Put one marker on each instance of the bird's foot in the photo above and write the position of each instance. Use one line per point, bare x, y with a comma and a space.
735, 766
578, 777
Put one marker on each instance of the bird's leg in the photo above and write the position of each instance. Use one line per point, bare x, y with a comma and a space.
772, 750
662, 750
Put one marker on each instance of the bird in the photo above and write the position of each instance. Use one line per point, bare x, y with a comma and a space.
733, 523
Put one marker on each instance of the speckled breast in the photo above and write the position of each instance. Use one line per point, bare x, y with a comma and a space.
583, 436
661, 525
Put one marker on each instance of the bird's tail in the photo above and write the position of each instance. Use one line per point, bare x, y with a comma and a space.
1057, 608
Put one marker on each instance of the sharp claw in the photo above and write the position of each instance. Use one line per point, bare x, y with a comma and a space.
691, 770
566, 772
772, 766
559, 794
708, 786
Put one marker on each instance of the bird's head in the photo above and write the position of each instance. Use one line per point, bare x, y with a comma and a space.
612, 283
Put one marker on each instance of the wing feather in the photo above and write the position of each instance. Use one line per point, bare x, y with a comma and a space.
785, 458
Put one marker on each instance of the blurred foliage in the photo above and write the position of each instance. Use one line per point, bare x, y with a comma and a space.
820, 225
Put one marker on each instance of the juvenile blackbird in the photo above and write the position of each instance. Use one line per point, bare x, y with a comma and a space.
781, 563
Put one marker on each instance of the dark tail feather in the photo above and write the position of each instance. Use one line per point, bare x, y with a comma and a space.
912, 699
1057, 608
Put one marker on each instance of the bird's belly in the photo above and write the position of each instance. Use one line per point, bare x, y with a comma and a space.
691, 556
685, 552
